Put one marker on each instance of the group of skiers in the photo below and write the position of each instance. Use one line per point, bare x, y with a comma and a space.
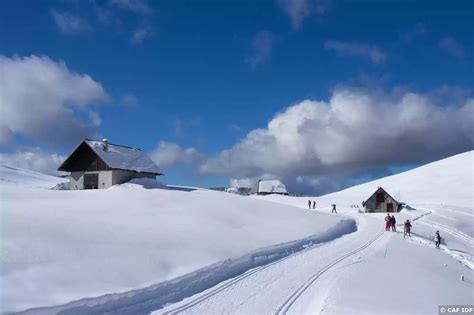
390, 224
312, 205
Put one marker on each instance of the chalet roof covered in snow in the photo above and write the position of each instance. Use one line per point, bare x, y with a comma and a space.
114, 156
272, 186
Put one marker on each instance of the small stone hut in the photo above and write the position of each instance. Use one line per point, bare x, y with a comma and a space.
100, 164
381, 201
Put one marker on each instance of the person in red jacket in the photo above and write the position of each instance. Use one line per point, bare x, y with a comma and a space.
388, 221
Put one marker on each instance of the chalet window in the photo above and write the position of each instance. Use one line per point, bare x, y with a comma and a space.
380, 197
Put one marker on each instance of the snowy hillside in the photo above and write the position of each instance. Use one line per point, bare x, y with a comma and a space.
443, 189
61, 246
445, 182
448, 181
141, 248
372, 271
26, 178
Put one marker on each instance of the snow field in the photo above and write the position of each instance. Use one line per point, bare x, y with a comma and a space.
62, 246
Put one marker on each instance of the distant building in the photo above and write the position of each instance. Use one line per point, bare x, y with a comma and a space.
267, 187
381, 201
100, 164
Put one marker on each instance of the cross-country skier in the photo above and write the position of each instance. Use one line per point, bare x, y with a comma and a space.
334, 208
437, 239
392, 223
309, 204
407, 228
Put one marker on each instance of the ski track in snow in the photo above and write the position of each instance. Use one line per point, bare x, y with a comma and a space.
290, 299
283, 309
143, 301
462, 236
212, 300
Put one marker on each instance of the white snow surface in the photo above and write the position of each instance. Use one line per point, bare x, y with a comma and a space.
395, 275
26, 178
61, 246
227, 254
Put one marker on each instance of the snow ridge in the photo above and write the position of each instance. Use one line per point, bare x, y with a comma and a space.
144, 301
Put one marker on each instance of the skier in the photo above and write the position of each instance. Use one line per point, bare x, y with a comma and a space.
437, 239
309, 204
407, 228
314, 204
388, 222
334, 208
392, 223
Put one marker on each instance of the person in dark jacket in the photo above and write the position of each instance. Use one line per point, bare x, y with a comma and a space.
314, 204
334, 208
393, 222
407, 228
437, 239
309, 204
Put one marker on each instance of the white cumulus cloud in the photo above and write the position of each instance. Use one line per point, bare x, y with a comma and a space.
169, 154
351, 134
44, 100
34, 159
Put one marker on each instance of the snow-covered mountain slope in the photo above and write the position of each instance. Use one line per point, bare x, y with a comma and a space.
445, 182
443, 188
366, 272
26, 178
448, 181
440, 197
61, 246
198, 251
370, 271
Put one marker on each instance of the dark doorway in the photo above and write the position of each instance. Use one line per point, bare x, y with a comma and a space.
91, 181
389, 207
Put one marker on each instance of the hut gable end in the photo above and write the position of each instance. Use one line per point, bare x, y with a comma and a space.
83, 159
381, 201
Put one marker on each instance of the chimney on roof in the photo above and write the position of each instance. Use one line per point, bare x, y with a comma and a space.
105, 144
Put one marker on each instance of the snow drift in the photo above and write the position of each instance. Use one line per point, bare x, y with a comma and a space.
61, 246
26, 178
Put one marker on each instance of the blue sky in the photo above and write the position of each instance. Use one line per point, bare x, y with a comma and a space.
203, 75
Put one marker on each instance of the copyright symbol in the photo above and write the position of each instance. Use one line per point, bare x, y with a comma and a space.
442, 310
